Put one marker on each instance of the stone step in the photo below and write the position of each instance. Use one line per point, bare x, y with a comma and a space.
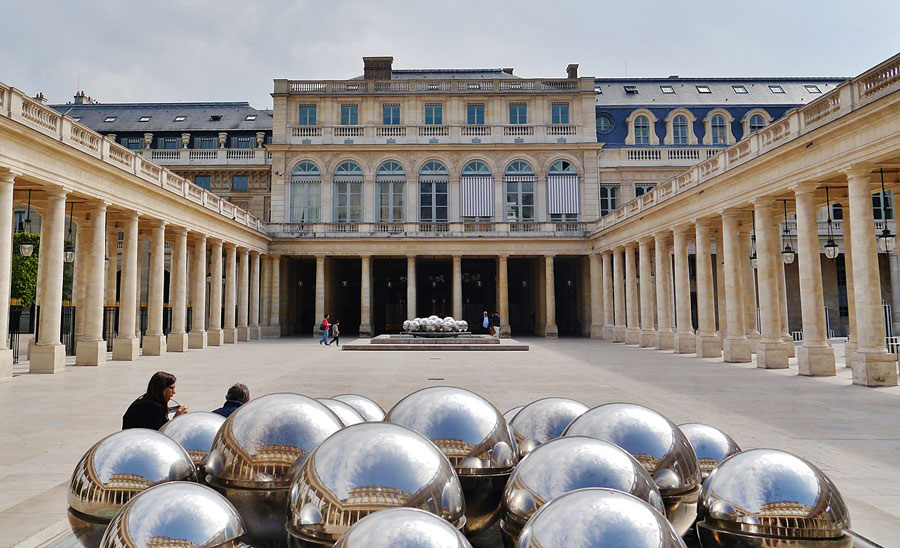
403, 347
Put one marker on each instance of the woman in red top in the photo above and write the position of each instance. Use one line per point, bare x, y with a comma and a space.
325, 327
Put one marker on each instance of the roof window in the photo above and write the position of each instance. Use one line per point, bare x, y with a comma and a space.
776, 88
703, 89
812, 88
740, 90
144, 119
77, 118
110, 119
215, 118
631, 90
179, 118
250, 117
667, 89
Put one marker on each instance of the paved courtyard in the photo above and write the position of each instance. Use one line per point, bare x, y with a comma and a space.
852, 433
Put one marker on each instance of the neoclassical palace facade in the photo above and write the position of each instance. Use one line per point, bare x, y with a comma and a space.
700, 215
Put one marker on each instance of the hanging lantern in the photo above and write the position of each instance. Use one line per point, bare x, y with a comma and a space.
26, 248
787, 252
831, 248
69, 253
886, 240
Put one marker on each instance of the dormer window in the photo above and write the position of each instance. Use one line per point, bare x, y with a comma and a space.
740, 90
667, 89
215, 118
144, 119
631, 90
776, 89
703, 89
179, 118
812, 88
110, 119
77, 118
250, 118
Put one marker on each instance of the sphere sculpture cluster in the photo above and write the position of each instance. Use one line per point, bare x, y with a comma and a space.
443, 464
434, 324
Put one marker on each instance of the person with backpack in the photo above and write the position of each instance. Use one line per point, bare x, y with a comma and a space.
325, 327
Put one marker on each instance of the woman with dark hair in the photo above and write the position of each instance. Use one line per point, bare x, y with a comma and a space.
151, 410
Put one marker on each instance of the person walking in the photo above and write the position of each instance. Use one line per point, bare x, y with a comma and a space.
495, 323
335, 334
325, 327
486, 322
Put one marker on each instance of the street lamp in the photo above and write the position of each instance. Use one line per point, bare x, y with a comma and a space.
69, 254
787, 253
831, 248
26, 248
753, 260
886, 241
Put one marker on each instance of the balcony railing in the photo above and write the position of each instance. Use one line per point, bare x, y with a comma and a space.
520, 229
664, 155
480, 86
422, 134
207, 156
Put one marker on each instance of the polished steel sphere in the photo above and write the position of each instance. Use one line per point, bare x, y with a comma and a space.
511, 414
771, 497
473, 435
464, 326
710, 444
175, 515
543, 420
195, 432
567, 464
348, 415
406, 325
117, 468
657, 444
598, 518
370, 410
364, 468
402, 528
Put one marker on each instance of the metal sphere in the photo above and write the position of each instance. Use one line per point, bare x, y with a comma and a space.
765, 494
175, 515
710, 444
364, 468
348, 415
370, 410
117, 468
598, 518
402, 527
567, 464
448, 319
543, 420
657, 444
406, 325
511, 413
194, 432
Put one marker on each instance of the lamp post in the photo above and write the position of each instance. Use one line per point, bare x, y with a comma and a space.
753, 260
69, 253
787, 253
831, 248
886, 240
27, 248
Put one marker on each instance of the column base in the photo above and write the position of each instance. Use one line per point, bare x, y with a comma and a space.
632, 335
684, 343
648, 338
597, 331
665, 340
849, 349
6, 364
50, 358
229, 335
366, 330
155, 345
197, 339
771, 355
874, 369
505, 332
90, 352
243, 333
608, 333
736, 351
550, 331
816, 361
754, 341
214, 337
269, 331
709, 346
126, 349
254, 332
789, 344
618, 334
177, 342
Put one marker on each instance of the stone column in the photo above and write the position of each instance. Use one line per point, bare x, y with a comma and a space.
872, 365
815, 356
736, 347
155, 340
708, 344
748, 286
721, 297
550, 329
665, 337
609, 319
83, 235
503, 295
214, 335
851, 345
275, 306
895, 290
7, 180
229, 330
596, 296
619, 292
685, 342
457, 287
265, 299
112, 267
126, 346
648, 333
48, 354
320, 292
254, 295
243, 314
365, 297
410, 287
632, 317
197, 336
782, 300
177, 340
90, 349
771, 352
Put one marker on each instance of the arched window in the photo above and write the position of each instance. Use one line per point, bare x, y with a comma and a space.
719, 130
306, 184
562, 167
390, 185
476, 167
348, 183
757, 122
641, 130
518, 180
433, 181
476, 186
562, 191
680, 130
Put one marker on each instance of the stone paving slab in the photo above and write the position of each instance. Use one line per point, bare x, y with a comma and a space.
851, 432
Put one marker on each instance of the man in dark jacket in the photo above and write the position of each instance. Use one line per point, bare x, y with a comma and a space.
237, 396
495, 321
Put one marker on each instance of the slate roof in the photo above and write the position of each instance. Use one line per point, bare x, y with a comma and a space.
447, 74
197, 116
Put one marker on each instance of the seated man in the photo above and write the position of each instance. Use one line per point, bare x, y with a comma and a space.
237, 396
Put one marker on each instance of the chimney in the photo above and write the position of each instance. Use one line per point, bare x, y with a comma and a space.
40, 98
80, 98
377, 68
572, 71
508, 70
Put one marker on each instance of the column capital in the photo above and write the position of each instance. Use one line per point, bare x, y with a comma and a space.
243, 250
503, 256
411, 256
178, 230
683, 228
228, 245
646, 239
630, 245
736, 214
54, 191
212, 240
763, 201
857, 171
254, 253
158, 223
8, 175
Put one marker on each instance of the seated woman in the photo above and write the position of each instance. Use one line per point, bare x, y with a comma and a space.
151, 410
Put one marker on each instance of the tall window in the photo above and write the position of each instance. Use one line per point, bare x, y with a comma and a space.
170, 143
349, 115
348, 183
390, 184
562, 190
433, 181
757, 122
640, 190
518, 113
205, 142
243, 142
609, 199
641, 130
519, 180
434, 114
717, 125
887, 199
203, 181
307, 115
390, 114
559, 113
240, 182
475, 114
132, 143
837, 212
680, 130
476, 187
306, 182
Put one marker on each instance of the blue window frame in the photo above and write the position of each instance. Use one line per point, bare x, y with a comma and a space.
132, 143
642, 130
349, 115
390, 114
680, 130
307, 115
203, 181
559, 113
518, 113
434, 114
240, 182
169, 143
243, 142
475, 114
205, 142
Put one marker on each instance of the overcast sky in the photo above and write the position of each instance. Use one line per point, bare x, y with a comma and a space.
230, 50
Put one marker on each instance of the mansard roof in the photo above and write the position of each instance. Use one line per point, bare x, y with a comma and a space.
126, 117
